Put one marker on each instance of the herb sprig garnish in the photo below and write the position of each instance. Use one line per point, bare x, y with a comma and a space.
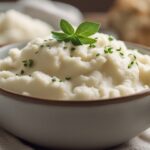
79, 36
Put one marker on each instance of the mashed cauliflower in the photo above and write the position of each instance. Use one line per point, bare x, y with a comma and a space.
50, 69
16, 27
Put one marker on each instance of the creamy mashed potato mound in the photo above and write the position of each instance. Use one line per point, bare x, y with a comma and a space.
16, 27
46, 68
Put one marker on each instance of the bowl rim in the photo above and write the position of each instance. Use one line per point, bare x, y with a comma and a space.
103, 101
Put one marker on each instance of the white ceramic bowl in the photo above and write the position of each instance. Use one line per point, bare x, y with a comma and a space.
72, 124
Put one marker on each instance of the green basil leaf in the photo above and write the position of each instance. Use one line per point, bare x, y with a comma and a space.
87, 28
78, 37
86, 40
59, 36
75, 40
66, 27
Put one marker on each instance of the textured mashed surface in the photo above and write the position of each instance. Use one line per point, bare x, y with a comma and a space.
16, 27
49, 69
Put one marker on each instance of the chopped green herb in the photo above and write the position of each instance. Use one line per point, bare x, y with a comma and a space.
110, 38
22, 72
60, 80
41, 46
98, 54
28, 63
133, 60
65, 47
68, 78
92, 46
78, 37
73, 49
48, 45
37, 52
132, 56
131, 64
53, 79
119, 49
121, 53
108, 50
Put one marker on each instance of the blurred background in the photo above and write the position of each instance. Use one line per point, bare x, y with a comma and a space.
85, 5
128, 20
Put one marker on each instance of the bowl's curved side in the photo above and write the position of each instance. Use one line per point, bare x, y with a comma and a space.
97, 126
4, 49
138, 46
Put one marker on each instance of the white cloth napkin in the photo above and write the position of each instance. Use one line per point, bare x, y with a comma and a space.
9, 142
